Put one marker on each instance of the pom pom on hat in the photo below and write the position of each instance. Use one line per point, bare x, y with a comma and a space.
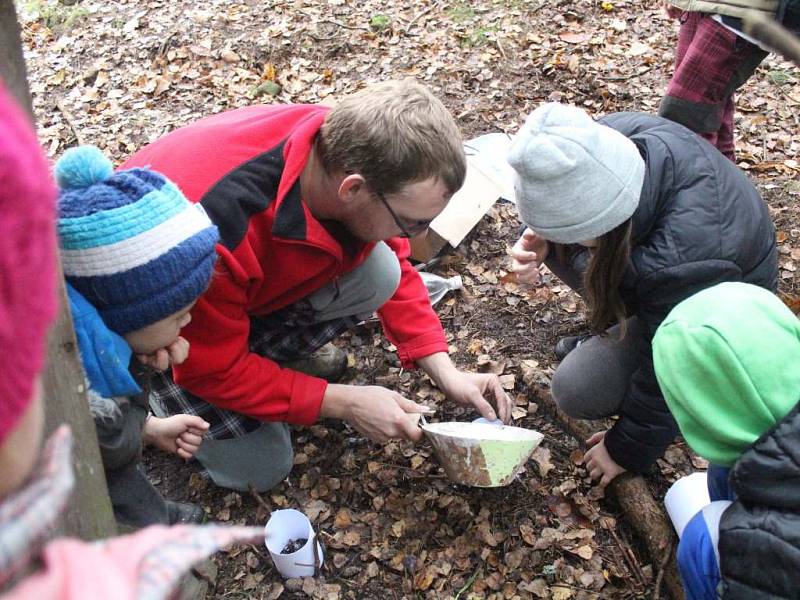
576, 179
131, 243
82, 167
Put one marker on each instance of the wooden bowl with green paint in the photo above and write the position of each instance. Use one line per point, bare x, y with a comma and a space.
480, 454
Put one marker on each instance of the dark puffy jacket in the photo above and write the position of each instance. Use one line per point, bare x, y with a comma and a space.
700, 221
759, 534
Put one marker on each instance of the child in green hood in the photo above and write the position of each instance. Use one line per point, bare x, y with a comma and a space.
728, 363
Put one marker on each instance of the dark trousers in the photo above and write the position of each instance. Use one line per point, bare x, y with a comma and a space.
591, 382
135, 501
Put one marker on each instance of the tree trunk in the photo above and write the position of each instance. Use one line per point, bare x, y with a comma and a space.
89, 515
12, 64
647, 517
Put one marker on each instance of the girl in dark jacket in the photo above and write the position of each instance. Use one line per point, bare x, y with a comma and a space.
635, 213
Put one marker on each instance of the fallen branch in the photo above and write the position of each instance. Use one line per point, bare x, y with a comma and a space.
771, 33
261, 502
68, 118
626, 77
431, 8
662, 565
640, 509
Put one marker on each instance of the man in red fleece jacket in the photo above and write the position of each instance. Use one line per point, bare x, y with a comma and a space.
313, 206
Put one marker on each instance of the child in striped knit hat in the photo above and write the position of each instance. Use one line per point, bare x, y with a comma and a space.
35, 483
136, 256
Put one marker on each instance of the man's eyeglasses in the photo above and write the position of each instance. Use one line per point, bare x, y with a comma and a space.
408, 230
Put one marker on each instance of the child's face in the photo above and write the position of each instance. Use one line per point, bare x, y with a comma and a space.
160, 334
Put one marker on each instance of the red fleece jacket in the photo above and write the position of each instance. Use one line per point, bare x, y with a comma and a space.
243, 167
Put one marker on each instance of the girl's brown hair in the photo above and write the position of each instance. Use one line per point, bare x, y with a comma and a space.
604, 276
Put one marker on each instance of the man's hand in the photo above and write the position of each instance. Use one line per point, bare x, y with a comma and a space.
164, 358
528, 254
473, 389
376, 412
480, 390
178, 434
599, 462
673, 12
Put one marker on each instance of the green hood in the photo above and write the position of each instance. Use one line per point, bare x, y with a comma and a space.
728, 362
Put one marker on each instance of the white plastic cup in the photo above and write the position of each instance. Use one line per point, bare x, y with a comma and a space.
287, 525
685, 498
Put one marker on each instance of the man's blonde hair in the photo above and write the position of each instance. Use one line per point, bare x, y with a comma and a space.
393, 133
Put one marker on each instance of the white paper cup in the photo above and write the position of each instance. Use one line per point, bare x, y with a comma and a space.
685, 498
287, 525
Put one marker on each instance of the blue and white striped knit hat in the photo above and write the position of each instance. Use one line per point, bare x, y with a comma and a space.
131, 243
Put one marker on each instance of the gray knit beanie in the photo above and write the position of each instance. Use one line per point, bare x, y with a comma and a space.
576, 179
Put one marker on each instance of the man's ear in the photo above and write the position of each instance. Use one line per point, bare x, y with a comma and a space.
352, 187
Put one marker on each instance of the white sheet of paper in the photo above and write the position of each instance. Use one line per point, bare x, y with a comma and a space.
287, 525
490, 151
468, 205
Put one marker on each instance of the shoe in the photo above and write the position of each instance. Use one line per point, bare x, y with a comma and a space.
329, 363
182, 513
567, 344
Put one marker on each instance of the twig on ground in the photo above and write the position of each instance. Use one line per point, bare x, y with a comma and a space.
431, 8
316, 19
662, 567
630, 560
626, 77
68, 118
261, 502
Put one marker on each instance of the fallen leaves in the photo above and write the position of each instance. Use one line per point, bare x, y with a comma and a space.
387, 514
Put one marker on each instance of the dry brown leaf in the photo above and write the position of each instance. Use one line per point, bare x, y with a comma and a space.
423, 579
527, 534
507, 381
574, 37
351, 538
542, 457
585, 551
342, 520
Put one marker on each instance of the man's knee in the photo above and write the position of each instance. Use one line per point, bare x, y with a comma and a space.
382, 273
261, 459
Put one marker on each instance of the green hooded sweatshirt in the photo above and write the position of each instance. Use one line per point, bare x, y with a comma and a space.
728, 362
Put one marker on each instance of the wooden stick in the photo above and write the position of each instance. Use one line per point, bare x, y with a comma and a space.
261, 502
68, 118
772, 34
431, 8
647, 516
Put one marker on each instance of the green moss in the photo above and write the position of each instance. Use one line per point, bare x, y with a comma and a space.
379, 22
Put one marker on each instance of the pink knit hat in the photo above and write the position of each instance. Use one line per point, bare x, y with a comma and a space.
27, 261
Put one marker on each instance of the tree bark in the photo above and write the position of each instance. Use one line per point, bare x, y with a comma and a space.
89, 514
12, 64
647, 516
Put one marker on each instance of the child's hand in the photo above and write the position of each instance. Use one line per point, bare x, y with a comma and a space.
178, 434
163, 358
528, 255
599, 462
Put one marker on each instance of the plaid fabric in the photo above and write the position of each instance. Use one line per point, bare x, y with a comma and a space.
282, 336
28, 516
711, 63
